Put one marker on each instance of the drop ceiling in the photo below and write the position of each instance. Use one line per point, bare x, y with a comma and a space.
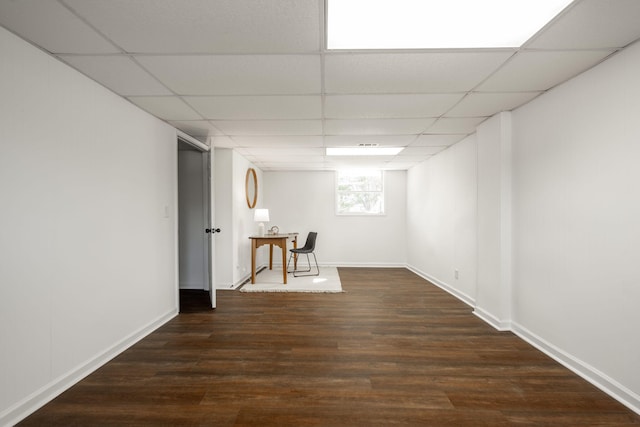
254, 75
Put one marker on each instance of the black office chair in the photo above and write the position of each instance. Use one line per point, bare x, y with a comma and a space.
307, 249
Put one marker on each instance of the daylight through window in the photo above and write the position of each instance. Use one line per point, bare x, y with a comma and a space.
359, 192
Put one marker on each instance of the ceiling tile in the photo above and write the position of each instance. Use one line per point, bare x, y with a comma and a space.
532, 71
388, 106
205, 26
165, 107
437, 140
382, 140
118, 73
465, 125
305, 158
237, 74
280, 155
409, 72
256, 107
420, 151
255, 70
593, 24
487, 104
269, 127
196, 128
378, 162
54, 27
294, 167
277, 152
222, 142
402, 164
278, 141
282, 151
377, 126
286, 166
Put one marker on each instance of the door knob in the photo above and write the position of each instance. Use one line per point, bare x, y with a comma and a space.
212, 230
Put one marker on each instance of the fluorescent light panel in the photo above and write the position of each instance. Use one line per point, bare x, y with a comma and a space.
363, 151
436, 24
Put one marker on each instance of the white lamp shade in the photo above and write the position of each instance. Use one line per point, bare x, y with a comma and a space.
261, 215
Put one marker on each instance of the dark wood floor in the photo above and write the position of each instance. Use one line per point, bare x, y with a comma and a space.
193, 301
392, 350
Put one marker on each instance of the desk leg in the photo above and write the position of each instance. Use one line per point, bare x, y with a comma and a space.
253, 261
270, 257
283, 245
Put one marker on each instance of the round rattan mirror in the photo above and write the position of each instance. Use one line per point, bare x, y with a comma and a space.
251, 188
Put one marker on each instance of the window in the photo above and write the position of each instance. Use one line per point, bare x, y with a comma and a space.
359, 192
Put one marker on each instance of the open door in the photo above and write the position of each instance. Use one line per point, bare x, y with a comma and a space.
211, 227
196, 232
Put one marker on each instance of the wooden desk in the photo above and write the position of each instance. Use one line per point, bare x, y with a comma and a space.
279, 240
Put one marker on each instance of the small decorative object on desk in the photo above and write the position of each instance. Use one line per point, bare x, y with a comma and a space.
274, 230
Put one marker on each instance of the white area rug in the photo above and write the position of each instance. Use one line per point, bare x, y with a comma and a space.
271, 281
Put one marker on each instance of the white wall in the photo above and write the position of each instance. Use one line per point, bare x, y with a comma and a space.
305, 201
223, 181
88, 236
193, 266
494, 281
244, 225
557, 223
577, 223
441, 219
234, 218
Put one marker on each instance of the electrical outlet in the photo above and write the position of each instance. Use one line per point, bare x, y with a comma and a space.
455, 273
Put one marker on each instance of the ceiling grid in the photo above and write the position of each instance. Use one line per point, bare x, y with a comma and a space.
255, 75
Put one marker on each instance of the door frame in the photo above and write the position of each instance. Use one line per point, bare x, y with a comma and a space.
208, 210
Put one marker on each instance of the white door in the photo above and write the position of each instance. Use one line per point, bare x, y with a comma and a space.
196, 232
209, 156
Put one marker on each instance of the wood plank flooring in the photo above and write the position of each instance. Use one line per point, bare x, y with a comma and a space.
392, 350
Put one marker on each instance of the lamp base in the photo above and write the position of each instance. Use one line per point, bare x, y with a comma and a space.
261, 229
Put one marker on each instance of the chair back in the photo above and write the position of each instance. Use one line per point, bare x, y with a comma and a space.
310, 244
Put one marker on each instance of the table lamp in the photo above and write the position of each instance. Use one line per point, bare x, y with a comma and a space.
261, 216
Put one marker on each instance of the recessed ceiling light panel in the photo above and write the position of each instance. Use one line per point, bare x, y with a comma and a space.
436, 24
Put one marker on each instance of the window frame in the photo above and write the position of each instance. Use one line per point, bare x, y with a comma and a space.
338, 192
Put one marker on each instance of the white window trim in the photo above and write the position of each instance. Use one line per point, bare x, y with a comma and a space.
337, 198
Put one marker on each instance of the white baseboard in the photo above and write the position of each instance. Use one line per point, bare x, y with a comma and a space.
229, 286
610, 386
235, 285
498, 324
246, 277
47, 393
584, 370
444, 286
